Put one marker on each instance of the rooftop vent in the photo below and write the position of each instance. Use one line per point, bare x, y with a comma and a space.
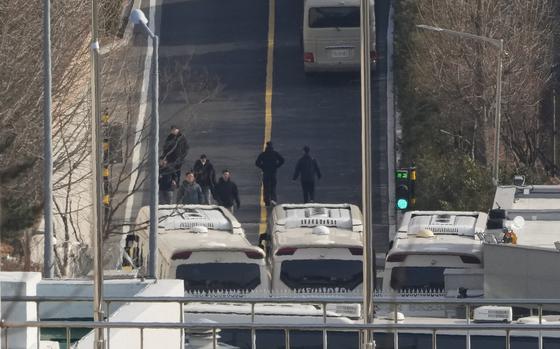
443, 224
193, 219
298, 217
491, 313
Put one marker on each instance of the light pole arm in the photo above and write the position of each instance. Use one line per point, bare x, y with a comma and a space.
148, 30
461, 34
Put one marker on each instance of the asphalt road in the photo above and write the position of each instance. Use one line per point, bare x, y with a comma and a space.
226, 41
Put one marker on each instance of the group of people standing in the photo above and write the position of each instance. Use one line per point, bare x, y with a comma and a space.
200, 186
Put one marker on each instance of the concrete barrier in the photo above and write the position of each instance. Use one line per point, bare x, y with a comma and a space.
19, 284
146, 312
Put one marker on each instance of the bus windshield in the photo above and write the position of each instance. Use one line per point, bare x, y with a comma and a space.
334, 17
322, 273
219, 276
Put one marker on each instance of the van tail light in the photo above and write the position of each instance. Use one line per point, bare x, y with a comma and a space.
308, 57
470, 260
254, 254
397, 257
356, 251
181, 255
286, 251
372, 56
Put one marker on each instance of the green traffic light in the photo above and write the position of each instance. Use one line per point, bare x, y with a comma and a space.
402, 204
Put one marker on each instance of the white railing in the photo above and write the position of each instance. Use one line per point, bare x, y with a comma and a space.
395, 326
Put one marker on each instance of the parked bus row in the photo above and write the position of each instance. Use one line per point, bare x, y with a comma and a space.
311, 247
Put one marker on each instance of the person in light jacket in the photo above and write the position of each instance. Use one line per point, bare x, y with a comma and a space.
190, 192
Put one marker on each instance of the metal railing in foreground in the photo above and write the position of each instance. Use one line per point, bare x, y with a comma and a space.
309, 299
214, 328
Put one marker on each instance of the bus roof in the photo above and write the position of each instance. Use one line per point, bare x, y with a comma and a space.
211, 241
185, 217
309, 237
341, 216
466, 223
197, 228
443, 245
317, 225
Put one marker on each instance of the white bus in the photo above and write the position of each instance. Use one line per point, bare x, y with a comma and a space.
316, 247
430, 242
303, 314
331, 35
203, 245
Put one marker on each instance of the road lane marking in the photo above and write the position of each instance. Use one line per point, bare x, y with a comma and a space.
268, 99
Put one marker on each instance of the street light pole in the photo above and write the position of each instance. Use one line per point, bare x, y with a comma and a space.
48, 262
498, 120
499, 43
97, 185
138, 17
367, 200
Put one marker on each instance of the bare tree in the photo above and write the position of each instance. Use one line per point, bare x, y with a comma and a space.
461, 73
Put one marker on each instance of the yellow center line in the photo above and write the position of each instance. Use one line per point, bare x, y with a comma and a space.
268, 99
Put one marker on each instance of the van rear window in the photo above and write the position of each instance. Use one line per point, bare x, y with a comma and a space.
219, 276
334, 17
313, 274
418, 278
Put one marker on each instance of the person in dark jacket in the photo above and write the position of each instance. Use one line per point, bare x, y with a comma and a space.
175, 150
189, 192
269, 161
205, 176
226, 192
307, 168
167, 182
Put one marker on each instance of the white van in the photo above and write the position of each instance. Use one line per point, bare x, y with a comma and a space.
205, 246
430, 244
316, 247
274, 314
331, 35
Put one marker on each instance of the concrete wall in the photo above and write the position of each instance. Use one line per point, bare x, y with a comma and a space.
521, 272
19, 284
146, 312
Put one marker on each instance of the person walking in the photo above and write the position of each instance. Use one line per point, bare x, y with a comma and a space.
189, 192
226, 192
269, 161
167, 182
175, 150
307, 168
205, 176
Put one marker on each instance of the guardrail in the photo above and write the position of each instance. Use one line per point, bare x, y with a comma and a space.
314, 299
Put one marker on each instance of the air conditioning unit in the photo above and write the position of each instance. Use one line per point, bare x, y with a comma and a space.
353, 311
492, 313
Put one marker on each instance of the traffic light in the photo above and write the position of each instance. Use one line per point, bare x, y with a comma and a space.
404, 184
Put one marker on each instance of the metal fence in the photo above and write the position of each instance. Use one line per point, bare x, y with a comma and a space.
395, 326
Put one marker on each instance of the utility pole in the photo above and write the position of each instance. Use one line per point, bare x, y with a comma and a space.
367, 197
48, 262
97, 185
